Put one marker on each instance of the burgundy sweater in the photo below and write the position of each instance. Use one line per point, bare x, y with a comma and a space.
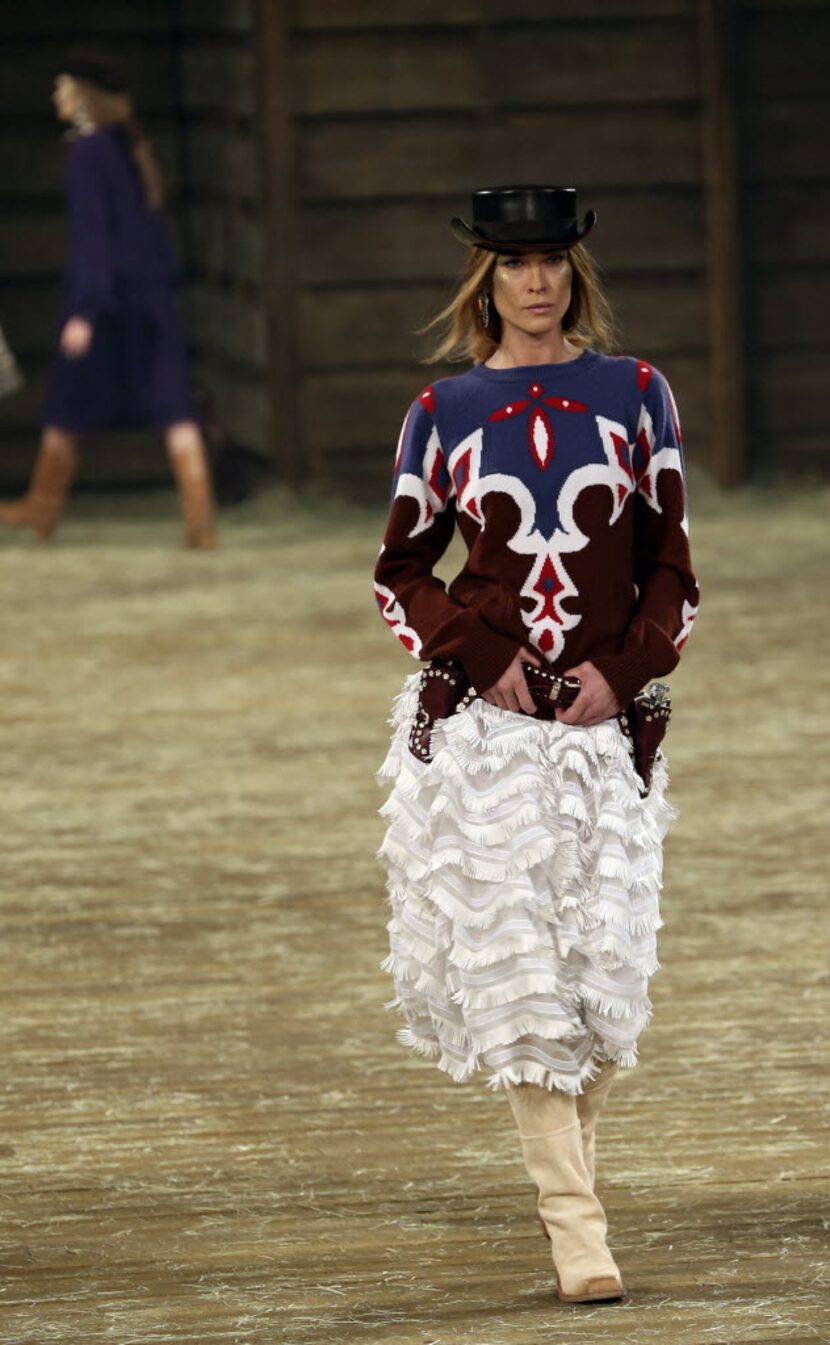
567, 484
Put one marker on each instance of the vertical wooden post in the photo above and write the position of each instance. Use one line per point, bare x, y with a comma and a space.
275, 136
727, 450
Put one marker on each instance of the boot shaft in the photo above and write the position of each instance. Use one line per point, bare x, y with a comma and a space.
41, 508
589, 1104
550, 1132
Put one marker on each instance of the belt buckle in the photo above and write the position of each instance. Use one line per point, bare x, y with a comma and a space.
555, 688
659, 693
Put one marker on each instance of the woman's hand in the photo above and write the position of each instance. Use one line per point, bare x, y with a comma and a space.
510, 692
595, 702
76, 338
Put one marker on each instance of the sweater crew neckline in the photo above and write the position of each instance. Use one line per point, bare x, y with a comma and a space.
524, 371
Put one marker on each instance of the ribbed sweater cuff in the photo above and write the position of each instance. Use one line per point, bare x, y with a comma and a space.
627, 673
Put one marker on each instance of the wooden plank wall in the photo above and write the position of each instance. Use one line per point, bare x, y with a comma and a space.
403, 109
223, 218
785, 82
718, 33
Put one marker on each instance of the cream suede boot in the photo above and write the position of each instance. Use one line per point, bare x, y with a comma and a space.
589, 1104
551, 1138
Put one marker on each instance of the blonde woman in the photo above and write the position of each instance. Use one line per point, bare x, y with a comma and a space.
524, 856
121, 358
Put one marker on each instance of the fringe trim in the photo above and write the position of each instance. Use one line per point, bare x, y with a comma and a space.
532, 1071
533, 837
511, 989
628, 944
524, 1071
496, 832
508, 944
519, 894
407, 1037
500, 1035
407, 945
493, 870
526, 1025
474, 802
614, 1006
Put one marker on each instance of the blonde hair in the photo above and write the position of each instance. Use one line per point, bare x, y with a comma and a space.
588, 321
101, 107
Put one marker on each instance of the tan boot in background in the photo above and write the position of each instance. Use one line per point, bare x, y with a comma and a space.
551, 1138
41, 508
190, 468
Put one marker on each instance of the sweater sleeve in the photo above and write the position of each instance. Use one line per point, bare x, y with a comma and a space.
90, 268
413, 601
667, 591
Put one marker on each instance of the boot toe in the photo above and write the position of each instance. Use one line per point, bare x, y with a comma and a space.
596, 1289
201, 541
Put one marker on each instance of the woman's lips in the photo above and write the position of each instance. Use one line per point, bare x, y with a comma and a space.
539, 308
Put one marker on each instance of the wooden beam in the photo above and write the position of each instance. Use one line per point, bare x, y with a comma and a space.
274, 105
727, 449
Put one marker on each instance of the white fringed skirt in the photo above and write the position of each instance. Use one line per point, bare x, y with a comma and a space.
524, 874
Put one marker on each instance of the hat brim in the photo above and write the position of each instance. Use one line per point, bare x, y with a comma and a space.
473, 238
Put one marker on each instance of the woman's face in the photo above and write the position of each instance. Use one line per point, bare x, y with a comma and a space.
532, 290
66, 98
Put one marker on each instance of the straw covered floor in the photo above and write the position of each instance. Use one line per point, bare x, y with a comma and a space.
209, 1132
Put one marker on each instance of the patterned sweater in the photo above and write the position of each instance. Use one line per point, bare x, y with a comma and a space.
567, 484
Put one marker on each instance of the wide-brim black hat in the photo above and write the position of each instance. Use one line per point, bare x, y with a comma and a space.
507, 218
94, 67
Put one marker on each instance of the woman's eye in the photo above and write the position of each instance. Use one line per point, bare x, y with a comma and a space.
556, 257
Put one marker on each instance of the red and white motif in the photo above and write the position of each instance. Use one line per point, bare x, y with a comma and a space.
645, 373
432, 489
653, 463
540, 433
427, 400
395, 618
547, 585
687, 617
465, 471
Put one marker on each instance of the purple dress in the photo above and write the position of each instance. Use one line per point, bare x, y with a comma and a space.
120, 275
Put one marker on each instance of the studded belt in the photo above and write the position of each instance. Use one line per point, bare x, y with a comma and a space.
445, 690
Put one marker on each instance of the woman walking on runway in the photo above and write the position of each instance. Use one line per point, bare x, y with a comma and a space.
524, 852
121, 358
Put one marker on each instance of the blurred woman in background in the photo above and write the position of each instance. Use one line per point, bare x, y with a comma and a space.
121, 359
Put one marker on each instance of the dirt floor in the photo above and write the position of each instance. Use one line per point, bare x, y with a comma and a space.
209, 1132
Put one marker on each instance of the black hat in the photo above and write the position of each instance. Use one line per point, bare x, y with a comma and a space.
94, 67
518, 217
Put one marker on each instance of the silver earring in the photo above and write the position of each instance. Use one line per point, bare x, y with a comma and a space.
484, 307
